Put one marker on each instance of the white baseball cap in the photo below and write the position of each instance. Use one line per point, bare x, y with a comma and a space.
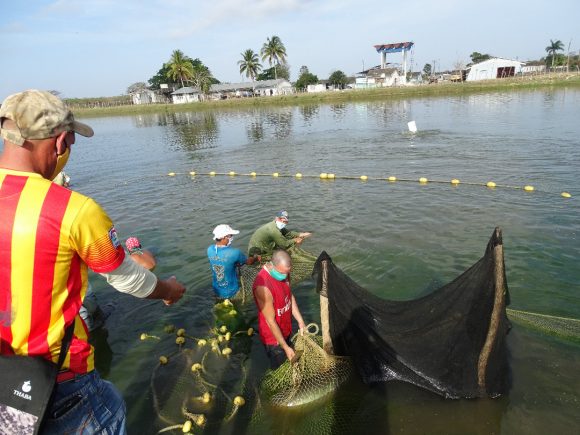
223, 230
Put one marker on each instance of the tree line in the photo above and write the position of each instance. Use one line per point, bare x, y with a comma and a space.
182, 70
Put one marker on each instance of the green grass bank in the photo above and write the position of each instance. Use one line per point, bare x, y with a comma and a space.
432, 90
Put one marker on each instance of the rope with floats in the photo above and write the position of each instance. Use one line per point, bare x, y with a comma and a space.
391, 179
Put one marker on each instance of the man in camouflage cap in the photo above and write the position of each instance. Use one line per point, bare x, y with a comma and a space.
49, 235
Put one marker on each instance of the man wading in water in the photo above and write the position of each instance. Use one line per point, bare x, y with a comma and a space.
274, 235
276, 306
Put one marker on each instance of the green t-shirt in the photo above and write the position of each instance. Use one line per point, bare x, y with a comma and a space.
268, 237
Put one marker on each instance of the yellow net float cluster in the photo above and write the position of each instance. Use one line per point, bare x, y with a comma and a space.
391, 178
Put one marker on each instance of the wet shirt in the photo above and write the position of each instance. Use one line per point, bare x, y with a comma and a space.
268, 237
282, 297
48, 237
223, 261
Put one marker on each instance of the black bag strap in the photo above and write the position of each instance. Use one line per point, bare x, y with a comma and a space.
64, 345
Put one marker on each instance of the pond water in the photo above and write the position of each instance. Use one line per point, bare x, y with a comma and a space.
398, 240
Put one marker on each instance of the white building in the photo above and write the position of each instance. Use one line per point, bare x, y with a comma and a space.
186, 95
378, 77
273, 87
318, 87
145, 96
533, 69
415, 78
234, 90
494, 68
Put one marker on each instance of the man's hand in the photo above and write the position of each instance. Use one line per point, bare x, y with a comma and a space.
251, 260
174, 290
301, 328
298, 240
289, 352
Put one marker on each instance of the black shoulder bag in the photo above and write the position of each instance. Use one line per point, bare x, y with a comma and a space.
26, 384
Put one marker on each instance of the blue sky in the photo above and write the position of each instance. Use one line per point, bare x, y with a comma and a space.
91, 48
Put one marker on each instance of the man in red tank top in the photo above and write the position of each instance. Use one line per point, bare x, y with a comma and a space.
276, 306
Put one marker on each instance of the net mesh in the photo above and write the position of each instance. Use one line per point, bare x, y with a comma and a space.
203, 383
451, 342
562, 327
302, 267
314, 375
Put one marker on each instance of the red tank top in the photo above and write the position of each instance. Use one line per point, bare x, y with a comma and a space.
282, 306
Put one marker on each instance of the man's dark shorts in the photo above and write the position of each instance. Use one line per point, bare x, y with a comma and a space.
276, 354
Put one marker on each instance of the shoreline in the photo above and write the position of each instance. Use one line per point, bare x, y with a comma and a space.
560, 80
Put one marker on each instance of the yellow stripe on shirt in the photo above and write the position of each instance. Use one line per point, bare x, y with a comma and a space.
23, 248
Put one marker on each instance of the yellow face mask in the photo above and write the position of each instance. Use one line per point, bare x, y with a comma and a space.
61, 162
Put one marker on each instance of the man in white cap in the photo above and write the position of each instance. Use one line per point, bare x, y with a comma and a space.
49, 235
223, 260
274, 235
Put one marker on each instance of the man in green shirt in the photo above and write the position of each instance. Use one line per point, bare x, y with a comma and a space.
274, 235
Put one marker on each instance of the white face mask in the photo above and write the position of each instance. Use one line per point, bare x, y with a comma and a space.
231, 239
280, 225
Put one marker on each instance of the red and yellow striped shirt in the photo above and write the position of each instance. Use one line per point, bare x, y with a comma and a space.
48, 237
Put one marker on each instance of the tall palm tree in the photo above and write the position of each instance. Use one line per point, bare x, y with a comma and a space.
554, 47
250, 64
180, 67
274, 52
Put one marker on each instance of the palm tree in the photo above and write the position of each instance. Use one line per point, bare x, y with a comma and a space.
250, 64
274, 52
180, 67
202, 78
553, 48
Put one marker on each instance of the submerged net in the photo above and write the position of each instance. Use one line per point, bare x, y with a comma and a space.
451, 342
203, 383
302, 266
314, 375
562, 327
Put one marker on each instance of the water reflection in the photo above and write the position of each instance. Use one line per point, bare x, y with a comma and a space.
190, 131
338, 111
387, 112
309, 112
278, 123
255, 131
195, 131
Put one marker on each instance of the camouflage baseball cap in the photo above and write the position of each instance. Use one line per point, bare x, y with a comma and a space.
37, 115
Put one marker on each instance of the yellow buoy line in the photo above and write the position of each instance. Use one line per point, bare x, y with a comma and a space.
391, 179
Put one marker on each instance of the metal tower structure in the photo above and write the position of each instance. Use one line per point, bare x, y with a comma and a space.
399, 47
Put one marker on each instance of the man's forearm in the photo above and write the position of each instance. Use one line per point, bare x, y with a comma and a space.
169, 290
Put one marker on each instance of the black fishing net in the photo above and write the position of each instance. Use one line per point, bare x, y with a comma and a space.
451, 342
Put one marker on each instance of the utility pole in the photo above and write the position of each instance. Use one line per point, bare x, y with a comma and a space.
568, 61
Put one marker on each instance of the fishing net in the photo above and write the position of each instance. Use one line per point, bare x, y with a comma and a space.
302, 266
314, 375
562, 327
451, 342
203, 384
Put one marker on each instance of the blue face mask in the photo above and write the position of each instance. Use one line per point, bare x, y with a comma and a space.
279, 276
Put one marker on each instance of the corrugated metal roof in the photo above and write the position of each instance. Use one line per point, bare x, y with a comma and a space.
232, 87
186, 90
494, 59
394, 48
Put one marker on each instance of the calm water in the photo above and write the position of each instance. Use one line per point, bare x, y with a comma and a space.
397, 239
